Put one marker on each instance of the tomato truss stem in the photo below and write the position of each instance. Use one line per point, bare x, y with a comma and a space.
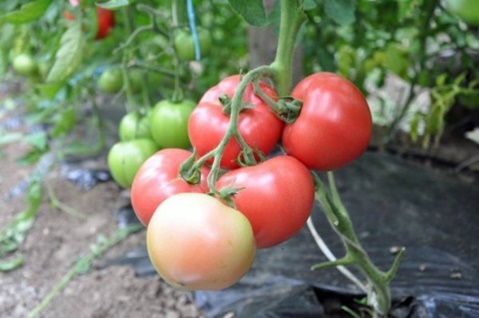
232, 130
378, 292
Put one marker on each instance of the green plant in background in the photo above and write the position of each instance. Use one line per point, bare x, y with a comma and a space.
417, 42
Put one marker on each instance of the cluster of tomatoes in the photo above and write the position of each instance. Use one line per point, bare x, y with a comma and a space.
204, 238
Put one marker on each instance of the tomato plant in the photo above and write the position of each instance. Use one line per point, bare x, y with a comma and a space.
195, 242
169, 123
466, 10
159, 178
126, 157
185, 47
134, 126
334, 126
24, 64
276, 196
258, 125
110, 81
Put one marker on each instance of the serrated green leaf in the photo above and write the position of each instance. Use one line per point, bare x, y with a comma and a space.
341, 11
114, 4
27, 12
252, 11
69, 54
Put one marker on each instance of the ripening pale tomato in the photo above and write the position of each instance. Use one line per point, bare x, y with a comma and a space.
195, 242
334, 126
159, 178
276, 196
259, 126
126, 157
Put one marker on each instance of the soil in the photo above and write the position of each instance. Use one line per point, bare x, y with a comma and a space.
57, 239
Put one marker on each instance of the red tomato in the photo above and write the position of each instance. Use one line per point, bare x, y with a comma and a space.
106, 19
196, 242
334, 126
258, 125
158, 178
276, 196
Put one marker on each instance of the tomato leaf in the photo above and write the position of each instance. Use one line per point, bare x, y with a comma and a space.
114, 4
69, 54
252, 11
341, 11
27, 12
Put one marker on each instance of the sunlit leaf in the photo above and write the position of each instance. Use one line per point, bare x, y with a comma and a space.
341, 11
69, 55
27, 12
252, 11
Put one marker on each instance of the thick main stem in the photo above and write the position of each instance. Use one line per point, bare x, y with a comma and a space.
292, 17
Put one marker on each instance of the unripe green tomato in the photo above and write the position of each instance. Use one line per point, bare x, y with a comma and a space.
134, 126
24, 64
466, 10
135, 77
111, 81
126, 157
185, 47
169, 123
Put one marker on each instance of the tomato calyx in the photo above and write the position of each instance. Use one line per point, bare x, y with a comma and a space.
189, 171
226, 195
286, 108
249, 157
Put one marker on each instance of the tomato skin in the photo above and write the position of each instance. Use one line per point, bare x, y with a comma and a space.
111, 81
126, 157
334, 126
466, 10
195, 242
24, 64
158, 178
106, 21
259, 126
169, 123
276, 196
185, 47
134, 126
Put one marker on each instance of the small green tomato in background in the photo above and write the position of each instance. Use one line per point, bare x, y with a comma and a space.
126, 157
169, 123
135, 77
24, 64
466, 10
185, 47
134, 126
110, 81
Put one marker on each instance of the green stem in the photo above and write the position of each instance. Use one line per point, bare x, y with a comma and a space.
292, 18
379, 296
